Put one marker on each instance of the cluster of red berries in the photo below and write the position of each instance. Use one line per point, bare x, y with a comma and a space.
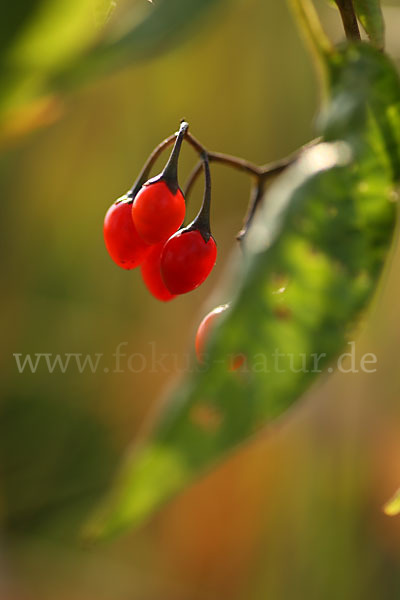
144, 228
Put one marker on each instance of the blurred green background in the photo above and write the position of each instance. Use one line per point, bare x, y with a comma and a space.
297, 513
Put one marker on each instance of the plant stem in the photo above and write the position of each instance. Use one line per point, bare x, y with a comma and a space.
202, 222
310, 24
261, 173
257, 193
145, 172
170, 171
349, 19
234, 161
191, 180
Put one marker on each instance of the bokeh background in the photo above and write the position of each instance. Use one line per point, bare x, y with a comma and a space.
297, 513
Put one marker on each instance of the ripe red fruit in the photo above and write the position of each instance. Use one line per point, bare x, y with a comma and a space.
159, 207
203, 332
190, 254
126, 248
157, 212
187, 260
203, 335
151, 274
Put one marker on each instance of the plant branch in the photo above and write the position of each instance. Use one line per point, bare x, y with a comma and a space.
261, 173
309, 21
202, 222
234, 161
145, 172
191, 180
170, 172
256, 195
349, 19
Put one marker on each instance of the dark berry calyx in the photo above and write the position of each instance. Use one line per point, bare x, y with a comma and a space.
202, 222
170, 172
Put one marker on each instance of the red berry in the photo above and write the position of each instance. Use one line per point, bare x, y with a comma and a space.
203, 332
151, 274
157, 212
203, 335
187, 260
124, 245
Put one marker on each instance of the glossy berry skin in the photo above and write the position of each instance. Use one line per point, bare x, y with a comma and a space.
126, 248
157, 212
204, 330
187, 260
151, 274
203, 335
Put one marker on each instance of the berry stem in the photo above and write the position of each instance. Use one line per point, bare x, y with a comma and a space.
261, 173
170, 171
256, 195
191, 180
145, 172
234, 161
269, 171
202, 222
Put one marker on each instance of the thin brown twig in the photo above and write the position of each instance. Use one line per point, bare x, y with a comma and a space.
144, 173
349, 19
261, 173
256, 195
228, 159
191, 180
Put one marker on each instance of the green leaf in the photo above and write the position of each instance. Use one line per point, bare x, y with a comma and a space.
369, 13
313, 260
52, 34
50, 47
103, 10
156, 27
